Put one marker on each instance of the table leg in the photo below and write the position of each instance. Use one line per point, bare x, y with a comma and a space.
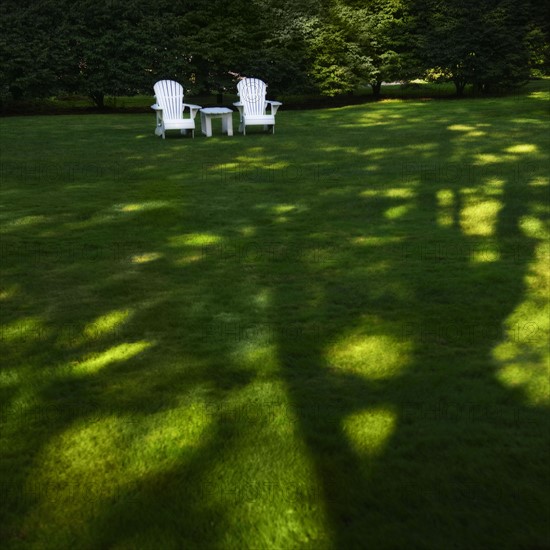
206, 125
227, 124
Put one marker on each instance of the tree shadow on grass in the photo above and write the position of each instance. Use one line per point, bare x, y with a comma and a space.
399, 304
455, 457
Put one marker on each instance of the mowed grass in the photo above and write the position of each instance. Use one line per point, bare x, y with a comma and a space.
331, 337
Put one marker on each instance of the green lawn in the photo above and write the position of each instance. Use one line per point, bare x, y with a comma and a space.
332, 337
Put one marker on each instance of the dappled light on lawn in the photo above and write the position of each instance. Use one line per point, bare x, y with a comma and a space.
397, 212
522, 358
370, 430
25, 329
371, 356
146, 257
195, 239
9, 292
24, 221
375, 241
533, 226
106, 324
522, 148
275, 341
445, 214
266, 482
255, 346
478, 216
392, 193
121, 352
196, 246
137, 207
99, 462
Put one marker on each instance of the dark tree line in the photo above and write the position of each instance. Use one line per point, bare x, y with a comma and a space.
121, 47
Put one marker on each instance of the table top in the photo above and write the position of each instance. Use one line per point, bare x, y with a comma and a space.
216, 110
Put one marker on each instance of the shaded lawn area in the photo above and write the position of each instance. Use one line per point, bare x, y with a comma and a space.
75, 104
333, 337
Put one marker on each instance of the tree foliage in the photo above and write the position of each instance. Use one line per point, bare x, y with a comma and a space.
121, 47
482, 43
379, 28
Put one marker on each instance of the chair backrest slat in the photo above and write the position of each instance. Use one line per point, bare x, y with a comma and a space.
169, 96
252, 92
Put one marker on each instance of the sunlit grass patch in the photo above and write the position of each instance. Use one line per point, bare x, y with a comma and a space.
22, 222
479, 216
370, 356
530, 376
370, 430
121, 352
7, 293
393, 193
397, 211
522, 148
146, 257
539, 181
25, 329
195, 239
488, 158
533, 227
137, 207
445, 199
523, 357
375, 241
106, 323
98, 462
486, 254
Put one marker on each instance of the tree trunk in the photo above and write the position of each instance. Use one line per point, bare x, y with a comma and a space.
479, 88
459, 84
376, 89
98, 98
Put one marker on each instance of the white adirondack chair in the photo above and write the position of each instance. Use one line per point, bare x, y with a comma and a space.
253, 106
171, 110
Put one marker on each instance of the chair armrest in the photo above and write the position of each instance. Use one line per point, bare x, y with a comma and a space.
274, 106
156, 107
240, 107
193, 109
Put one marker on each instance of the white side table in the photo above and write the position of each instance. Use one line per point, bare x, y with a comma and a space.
209, 113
